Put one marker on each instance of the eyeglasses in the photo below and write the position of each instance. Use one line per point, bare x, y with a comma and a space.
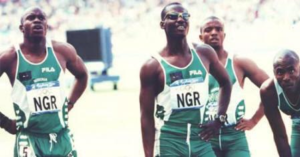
175, 16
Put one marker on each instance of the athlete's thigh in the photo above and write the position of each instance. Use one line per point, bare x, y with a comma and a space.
65, 144
295, 146
237, 153
200, 148
218, 153
215, 144
23, 146
169, 147
236, 146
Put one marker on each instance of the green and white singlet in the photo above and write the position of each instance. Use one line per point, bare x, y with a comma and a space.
236, 107
223, 144
283, 103
184, 93
179, 108
286, 107
40, 103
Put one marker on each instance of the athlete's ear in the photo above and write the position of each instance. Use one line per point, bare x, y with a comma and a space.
200, 37
162, 24
21, 28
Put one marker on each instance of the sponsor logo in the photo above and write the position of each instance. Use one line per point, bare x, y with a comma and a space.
48, 69
195, 72
40, 80
176, 76
25, 76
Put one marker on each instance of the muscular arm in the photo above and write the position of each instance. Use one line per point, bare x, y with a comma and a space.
6, 60
8, 124
257, 76
148, 78
270, 101
218, 71
76, 66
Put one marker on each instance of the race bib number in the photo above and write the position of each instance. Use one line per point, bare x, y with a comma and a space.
185, 94
44, 97
211, 109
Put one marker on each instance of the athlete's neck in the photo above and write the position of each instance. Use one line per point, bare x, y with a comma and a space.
222, 54
177, 47
34, 46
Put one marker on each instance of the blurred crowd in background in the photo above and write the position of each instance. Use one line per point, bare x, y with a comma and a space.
137, 21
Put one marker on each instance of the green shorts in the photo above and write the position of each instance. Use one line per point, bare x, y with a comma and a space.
230, 143
181, 141
295, 138
45, 145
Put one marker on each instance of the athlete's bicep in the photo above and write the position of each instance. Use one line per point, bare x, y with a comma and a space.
253, 72
74, 63
6, 59
147, 96
269, 100
218, 71
147, 88
212, 64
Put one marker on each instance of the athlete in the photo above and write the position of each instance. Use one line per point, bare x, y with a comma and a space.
282, 93
35, 69
174, 90
231, 141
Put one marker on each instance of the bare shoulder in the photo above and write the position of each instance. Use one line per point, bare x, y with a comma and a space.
8, 52
207, 54
63, 47
268, 94
149, 68
205, 50
7, 57
249, 67
268, 87
243, 60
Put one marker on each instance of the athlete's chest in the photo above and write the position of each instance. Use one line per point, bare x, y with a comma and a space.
178, 60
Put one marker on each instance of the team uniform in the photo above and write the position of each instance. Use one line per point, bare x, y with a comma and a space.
41, 110
229, 142
290, 109
179, 108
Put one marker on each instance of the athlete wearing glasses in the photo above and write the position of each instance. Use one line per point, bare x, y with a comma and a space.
174, 90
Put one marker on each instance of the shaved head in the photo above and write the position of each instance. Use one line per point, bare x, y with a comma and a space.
210, 18
285, 54
28, 10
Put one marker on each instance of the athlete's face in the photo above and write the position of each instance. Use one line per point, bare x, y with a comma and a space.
287, 73
212, 33
176, 21
34, 23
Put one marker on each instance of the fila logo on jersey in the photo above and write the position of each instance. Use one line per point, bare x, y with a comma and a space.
195, 72
48, 69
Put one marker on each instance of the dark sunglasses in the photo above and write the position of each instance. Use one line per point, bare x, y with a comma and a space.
175, 16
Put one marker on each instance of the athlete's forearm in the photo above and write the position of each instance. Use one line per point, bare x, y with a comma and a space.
148, 131
148, 142
258, 114
283, 147
224, 98
7, 124
77, 90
